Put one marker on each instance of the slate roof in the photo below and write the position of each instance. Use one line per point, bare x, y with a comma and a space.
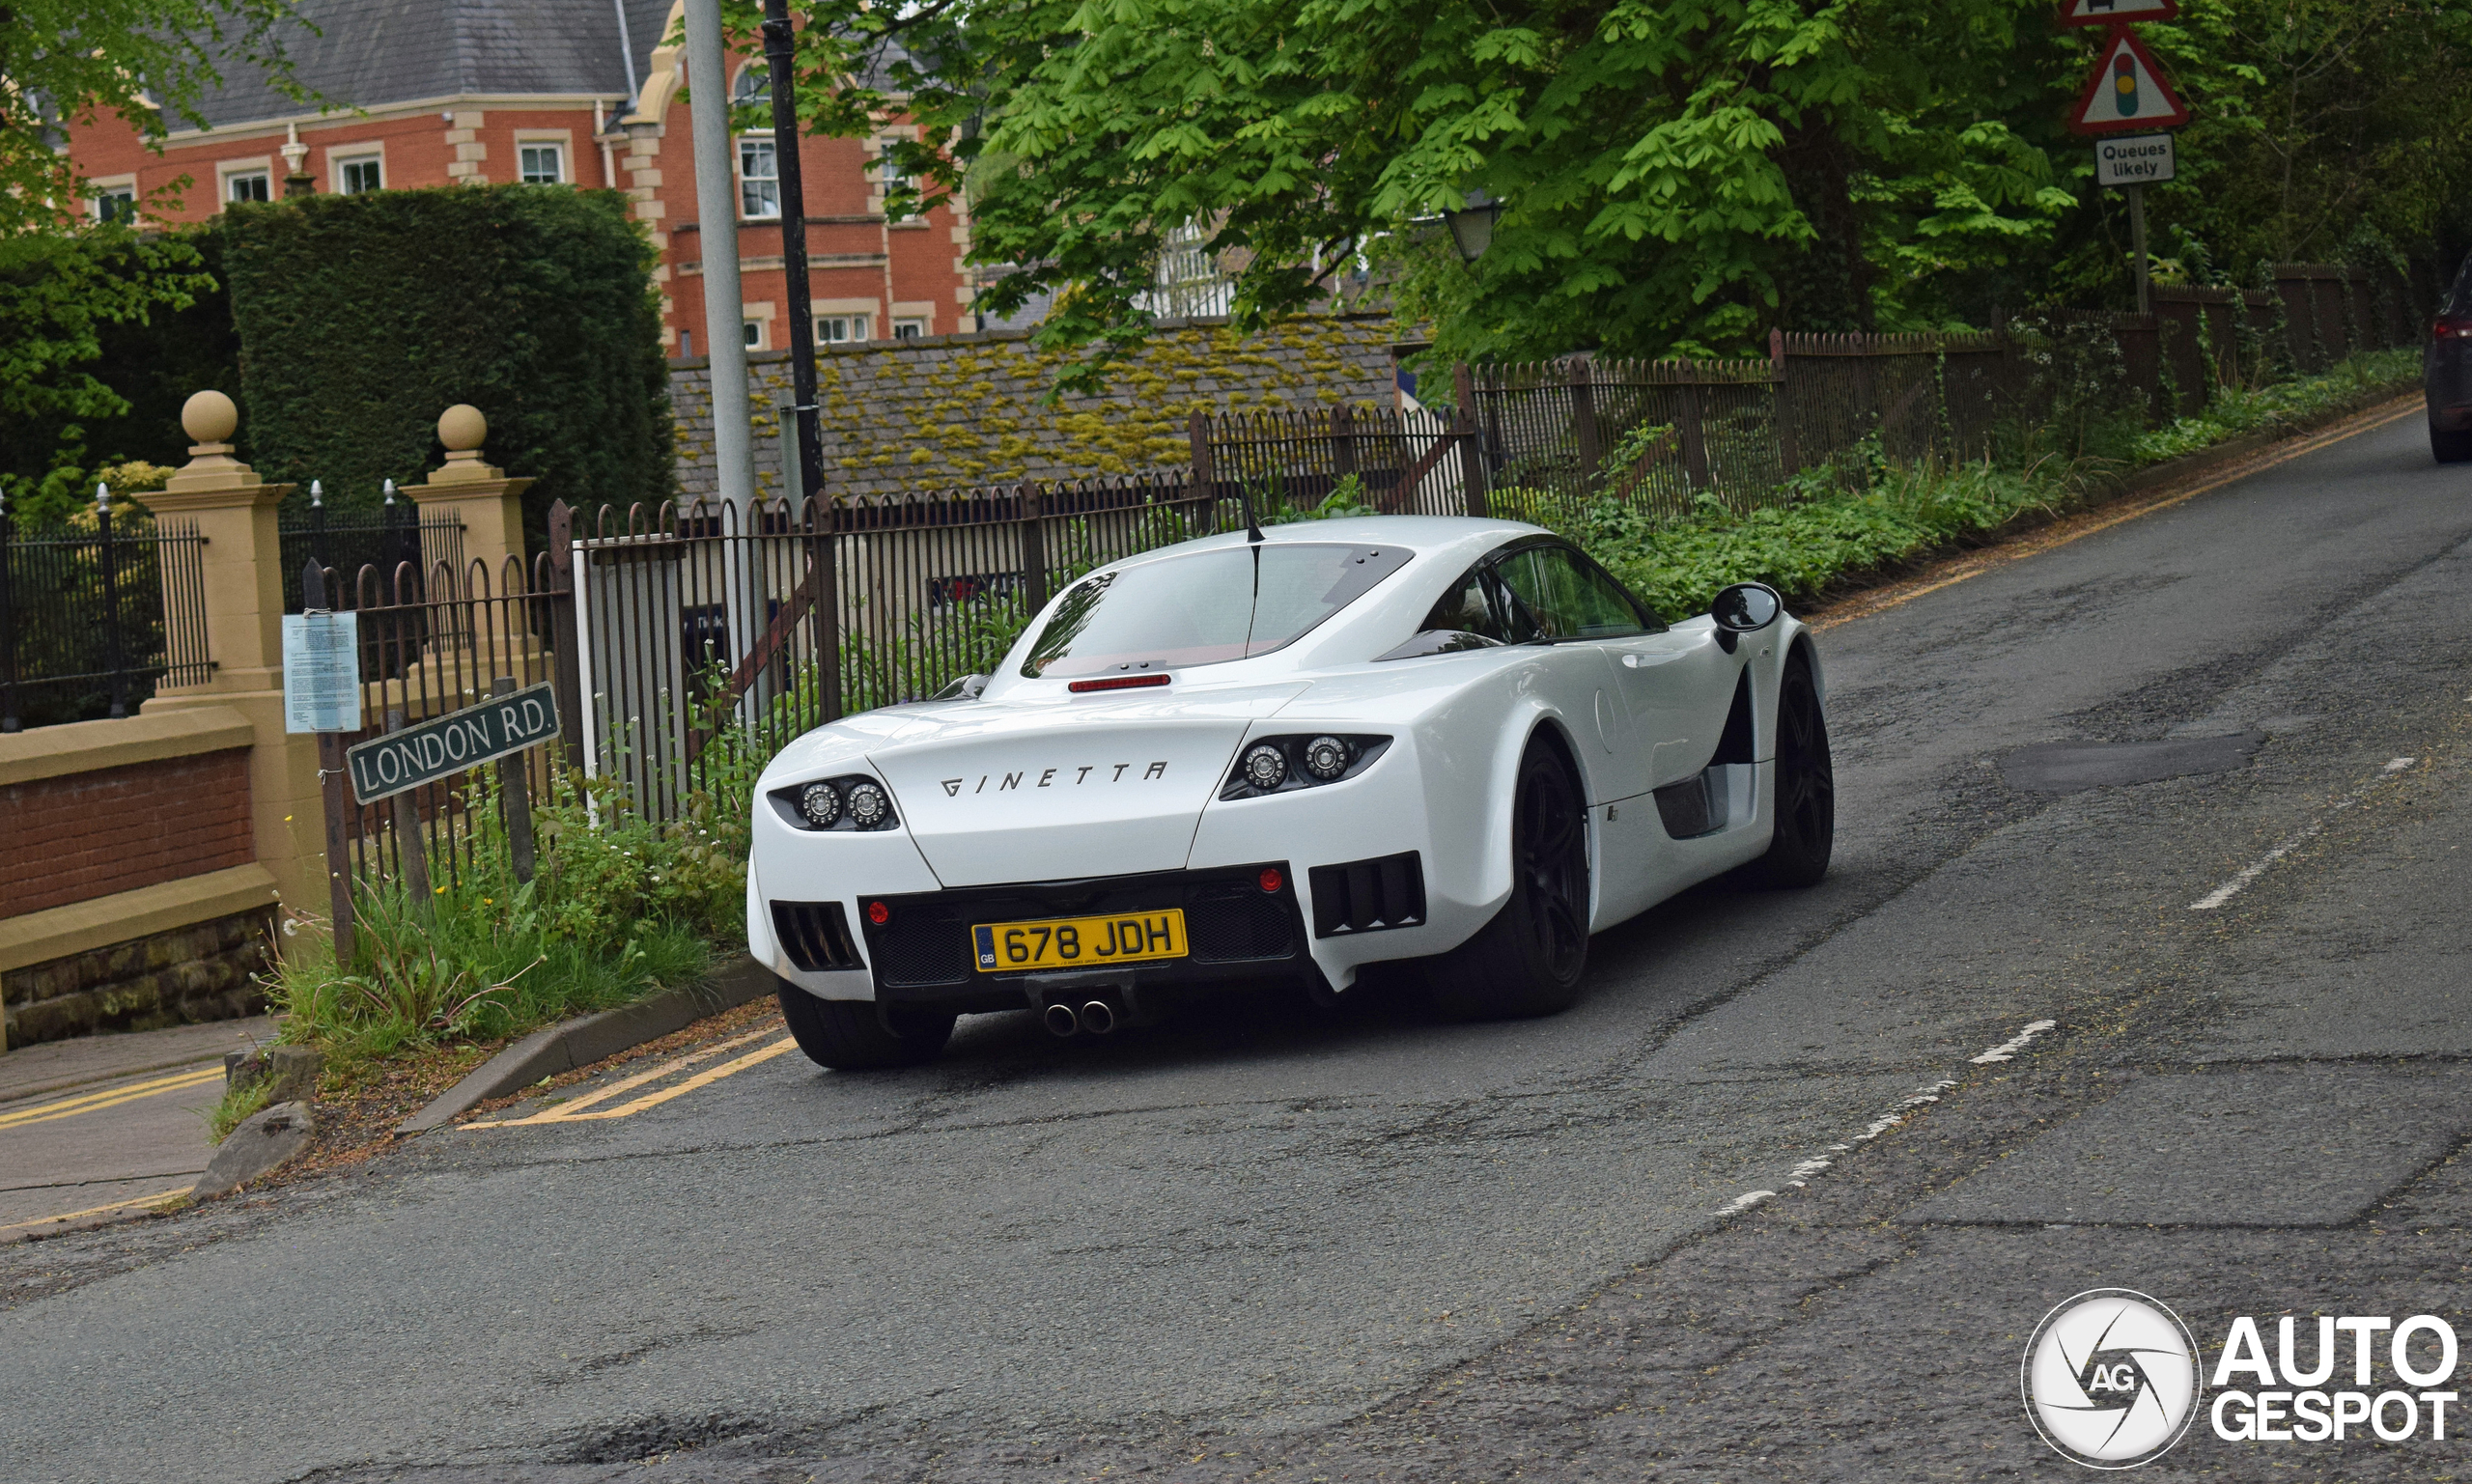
371, 53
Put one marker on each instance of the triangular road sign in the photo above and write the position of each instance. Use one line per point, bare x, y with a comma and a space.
2112, 12
2127, 92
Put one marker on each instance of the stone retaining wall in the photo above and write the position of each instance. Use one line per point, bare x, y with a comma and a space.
206, 972
958, 410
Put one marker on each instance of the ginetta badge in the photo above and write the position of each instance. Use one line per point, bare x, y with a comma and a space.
1053, 778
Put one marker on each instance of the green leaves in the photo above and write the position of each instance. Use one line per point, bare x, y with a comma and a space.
146, 63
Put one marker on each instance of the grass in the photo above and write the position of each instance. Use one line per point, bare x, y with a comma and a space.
621, 909
235, 1106
1861, 512
2236, 410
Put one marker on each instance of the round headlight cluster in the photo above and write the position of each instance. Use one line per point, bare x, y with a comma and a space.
1326, 757
868, 805
820, 804
1265, 767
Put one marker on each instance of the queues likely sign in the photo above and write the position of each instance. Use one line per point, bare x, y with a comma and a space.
383, 766
2133, 159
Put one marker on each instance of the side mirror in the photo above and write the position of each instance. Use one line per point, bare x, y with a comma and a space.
1745, 607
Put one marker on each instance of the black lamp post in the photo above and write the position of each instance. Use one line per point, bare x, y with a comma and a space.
1472, 226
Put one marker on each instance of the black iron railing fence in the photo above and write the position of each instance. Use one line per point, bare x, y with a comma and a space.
95, 612
397, 535
433, 641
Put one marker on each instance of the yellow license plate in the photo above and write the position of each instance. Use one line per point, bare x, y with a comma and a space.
1080, 943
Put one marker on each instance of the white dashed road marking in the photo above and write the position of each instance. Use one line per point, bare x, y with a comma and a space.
1803, 1173
2257, 867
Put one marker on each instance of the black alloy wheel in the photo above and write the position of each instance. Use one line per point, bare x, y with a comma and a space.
1529, 960
1805, 810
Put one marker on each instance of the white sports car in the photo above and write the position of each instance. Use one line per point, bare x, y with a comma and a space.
1286, 755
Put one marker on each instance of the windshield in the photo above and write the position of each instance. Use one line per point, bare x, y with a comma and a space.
1205, 607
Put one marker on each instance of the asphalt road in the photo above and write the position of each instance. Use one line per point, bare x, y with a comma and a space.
1258, 1243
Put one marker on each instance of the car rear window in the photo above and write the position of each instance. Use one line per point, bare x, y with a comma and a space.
2458, 299
1205, 607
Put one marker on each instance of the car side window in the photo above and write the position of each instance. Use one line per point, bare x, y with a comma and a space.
1569, 597
1473, 605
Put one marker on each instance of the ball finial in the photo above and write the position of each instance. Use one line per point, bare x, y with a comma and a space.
462, 427
210, 417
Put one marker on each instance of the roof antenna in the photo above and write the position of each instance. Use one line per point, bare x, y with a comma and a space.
1253, 527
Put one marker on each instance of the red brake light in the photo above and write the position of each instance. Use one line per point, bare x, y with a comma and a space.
1272, 881
879, 913
1116, 682
2451, 325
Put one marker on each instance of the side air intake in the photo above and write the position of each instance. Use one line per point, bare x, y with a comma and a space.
815, 934
1367, 896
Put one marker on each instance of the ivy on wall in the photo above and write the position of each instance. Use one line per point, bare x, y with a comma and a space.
362, 318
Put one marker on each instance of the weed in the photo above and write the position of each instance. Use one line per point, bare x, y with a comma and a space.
234, 1108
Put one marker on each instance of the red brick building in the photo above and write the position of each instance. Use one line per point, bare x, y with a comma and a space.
559, 93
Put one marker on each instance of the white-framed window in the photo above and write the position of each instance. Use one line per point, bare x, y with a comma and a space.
753, 332
909, 329
249, 186
358, 173
116, 203
883, 174
754, 84
541, 163
759, 180
842, 329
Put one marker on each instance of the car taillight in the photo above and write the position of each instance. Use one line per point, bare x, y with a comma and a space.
2457, 327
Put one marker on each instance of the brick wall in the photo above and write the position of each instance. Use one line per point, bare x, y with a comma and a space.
959, 410
85, 835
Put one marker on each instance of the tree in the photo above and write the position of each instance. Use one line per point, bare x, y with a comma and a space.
1677, 174
146, 62
61, 297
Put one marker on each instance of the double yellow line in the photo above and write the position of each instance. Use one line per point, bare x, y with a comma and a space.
133, 1203
585, 1110
113, 1097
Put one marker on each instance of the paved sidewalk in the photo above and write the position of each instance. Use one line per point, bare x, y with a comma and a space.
97, 1126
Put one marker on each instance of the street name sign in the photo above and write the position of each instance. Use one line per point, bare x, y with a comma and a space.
2112, 12
442, 747
2127, 93
2133, 159
322, 672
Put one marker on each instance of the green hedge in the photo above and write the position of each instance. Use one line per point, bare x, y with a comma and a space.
361, 318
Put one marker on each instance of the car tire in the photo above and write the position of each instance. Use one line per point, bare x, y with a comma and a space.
857, 1035
1806, 804
2451, 447
1529, 960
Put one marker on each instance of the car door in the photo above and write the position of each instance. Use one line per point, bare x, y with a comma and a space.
1670, 694
1560, 599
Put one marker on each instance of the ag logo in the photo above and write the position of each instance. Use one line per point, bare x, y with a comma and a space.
2111, 1379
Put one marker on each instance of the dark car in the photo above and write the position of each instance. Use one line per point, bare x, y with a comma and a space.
2446, 373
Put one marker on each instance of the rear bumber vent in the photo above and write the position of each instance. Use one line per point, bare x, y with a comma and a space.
1367, 896
815, 936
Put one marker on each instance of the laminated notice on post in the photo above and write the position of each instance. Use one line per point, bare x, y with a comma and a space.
322, 672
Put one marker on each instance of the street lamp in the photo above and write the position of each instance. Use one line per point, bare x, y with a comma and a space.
1472, 226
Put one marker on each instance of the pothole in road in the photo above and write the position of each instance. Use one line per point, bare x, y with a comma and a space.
2070, 768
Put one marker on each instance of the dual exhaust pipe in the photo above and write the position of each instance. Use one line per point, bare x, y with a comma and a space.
1097, 1017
